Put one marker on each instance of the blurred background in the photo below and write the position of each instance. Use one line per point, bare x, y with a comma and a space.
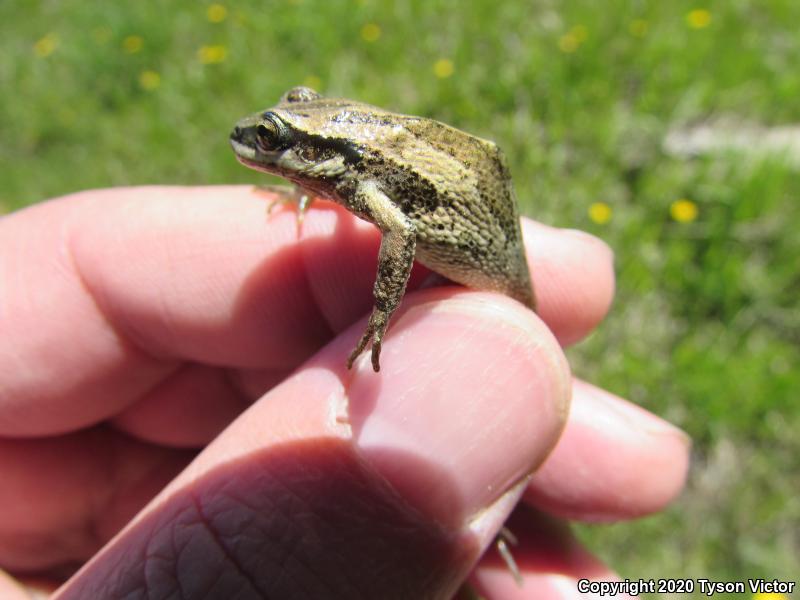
669, 129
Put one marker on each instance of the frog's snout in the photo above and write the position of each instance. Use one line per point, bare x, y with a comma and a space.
243, 141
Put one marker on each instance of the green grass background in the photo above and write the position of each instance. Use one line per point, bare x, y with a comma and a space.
579, 94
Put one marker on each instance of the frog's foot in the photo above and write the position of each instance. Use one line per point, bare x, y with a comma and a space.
286, 194
376, 327
504, 538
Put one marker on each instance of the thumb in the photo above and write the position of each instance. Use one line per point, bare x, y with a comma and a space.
351, 484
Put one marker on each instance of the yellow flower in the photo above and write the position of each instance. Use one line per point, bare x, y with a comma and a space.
46, 45
699, 18
770, 596
211, 55
132, 44
149, 80
570, 41
638, 27
443, 68
216, 13
313, 82
370, 32
683, 210
600, 213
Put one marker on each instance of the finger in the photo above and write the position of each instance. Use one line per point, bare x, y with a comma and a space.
575, 283
89, 504
573, 271
64, 497
187, 409
11, 590
550, 560
342, 484
613, 461
573, 276
121, 287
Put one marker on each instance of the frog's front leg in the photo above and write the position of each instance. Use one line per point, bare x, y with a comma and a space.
395, 260
288, 194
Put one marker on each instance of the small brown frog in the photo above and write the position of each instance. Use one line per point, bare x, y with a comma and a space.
437, 194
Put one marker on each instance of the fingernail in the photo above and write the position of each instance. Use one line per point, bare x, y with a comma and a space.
624, 418
535, 231
472, 395
626, 461
591, 242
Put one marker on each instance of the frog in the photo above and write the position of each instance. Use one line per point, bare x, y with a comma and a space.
438, 195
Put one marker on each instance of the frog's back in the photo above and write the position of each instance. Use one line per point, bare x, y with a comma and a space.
456, 188
461, 200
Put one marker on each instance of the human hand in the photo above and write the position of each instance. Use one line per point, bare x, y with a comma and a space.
139, 324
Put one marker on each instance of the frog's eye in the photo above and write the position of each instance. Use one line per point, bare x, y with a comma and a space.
270, 136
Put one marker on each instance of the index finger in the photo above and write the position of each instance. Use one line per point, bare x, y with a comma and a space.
113, 290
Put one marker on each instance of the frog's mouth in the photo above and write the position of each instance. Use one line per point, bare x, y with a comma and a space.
251, 157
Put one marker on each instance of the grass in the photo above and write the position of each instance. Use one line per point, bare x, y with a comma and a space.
706, 327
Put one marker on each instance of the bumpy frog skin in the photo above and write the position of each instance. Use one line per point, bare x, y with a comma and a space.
437, 194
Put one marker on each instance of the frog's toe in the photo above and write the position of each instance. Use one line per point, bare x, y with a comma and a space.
353, 356
376, 354
362, 343
373, 333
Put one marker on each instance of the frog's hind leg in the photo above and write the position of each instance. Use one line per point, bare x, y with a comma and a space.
504, 538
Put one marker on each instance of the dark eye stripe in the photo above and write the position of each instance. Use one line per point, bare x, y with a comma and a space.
349, 151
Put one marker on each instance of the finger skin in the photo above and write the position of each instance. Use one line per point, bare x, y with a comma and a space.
160, 417
573, 275
350, 484
62, 364
64, 496
11, 590
131, 286
623, 461
121, 288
